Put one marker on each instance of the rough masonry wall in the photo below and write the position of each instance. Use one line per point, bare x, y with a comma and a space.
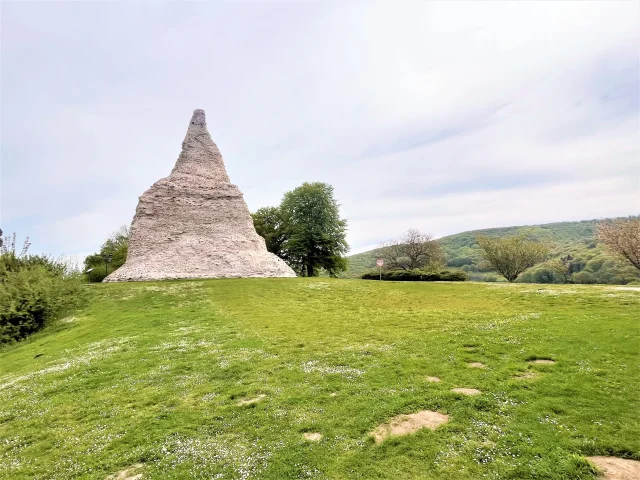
195, 223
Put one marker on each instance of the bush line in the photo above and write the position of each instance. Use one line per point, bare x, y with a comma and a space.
416, 276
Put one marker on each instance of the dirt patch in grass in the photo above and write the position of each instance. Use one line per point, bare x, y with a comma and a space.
466, 391
526, 376
475, 365
406, 424
313, 436
615, 468
543, 361
432, 379
250, 401
128, 473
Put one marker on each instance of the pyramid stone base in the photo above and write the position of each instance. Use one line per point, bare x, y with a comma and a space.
237, 265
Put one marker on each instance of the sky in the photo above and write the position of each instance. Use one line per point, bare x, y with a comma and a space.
439, 116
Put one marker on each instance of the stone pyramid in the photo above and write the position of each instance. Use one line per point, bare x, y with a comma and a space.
195, 223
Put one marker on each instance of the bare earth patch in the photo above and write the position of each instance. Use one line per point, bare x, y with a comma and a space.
406, 424
128, 473
615, 468
249, 401
432, 379
525, 376
542, 361
466, 391
475, 365
313, 436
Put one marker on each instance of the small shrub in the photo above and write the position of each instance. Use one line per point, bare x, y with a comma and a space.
583, 277
491, 278
453, 276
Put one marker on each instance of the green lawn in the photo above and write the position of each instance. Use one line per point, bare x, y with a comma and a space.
153, 373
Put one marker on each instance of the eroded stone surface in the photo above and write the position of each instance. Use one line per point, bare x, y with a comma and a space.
615, 468
466, 391
406, 424
195, 223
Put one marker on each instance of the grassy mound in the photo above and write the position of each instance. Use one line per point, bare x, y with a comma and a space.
223, 379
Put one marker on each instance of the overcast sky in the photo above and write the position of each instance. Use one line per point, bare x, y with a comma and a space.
444, 117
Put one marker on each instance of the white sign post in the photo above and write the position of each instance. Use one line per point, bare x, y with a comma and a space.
380, 262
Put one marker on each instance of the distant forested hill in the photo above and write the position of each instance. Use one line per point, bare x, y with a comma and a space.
591, 262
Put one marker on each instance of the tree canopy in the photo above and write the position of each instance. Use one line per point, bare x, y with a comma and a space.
511, 256
269, 225
622, 238
413, 250
306, 230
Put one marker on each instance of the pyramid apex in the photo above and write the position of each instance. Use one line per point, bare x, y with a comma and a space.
198, 117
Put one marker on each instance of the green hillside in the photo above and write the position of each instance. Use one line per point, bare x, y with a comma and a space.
288, 378
593, 264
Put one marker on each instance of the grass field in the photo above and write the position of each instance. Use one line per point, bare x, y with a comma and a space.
223, 378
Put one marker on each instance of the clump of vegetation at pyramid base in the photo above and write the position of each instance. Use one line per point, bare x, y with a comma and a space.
306, 230
34, 289
589, 259
112, 255
280, 379
415, 275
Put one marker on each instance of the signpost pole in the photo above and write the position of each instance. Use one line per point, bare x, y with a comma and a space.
380, 262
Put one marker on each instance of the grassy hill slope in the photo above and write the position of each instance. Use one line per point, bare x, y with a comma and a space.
575, 238
223, 378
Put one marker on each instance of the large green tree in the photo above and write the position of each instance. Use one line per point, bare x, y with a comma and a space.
306, 230
270, 226
511, 256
